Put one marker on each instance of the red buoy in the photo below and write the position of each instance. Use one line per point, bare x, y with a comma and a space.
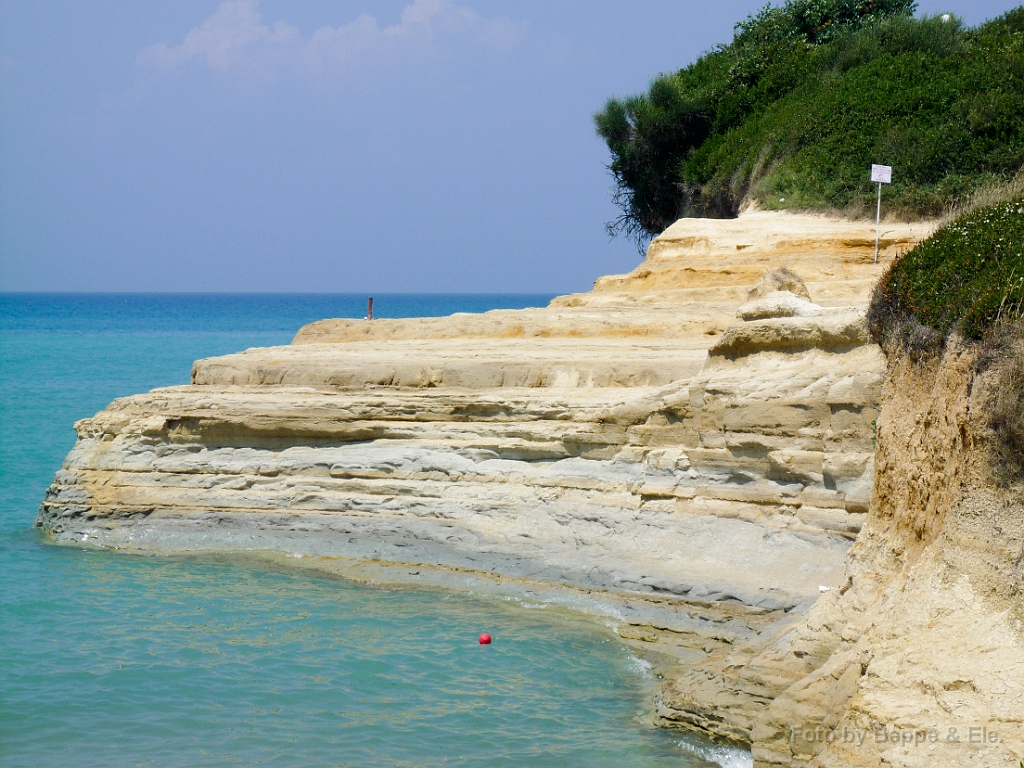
485, 639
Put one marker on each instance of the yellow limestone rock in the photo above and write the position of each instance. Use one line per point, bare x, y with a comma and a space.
918, 658
834, 257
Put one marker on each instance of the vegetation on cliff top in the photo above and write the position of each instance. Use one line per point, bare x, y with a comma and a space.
808, 95
967, 278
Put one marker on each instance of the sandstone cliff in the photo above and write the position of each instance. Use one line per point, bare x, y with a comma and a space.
701, 453
918, 658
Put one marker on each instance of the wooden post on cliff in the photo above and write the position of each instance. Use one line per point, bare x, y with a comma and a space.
369, 309
883, 175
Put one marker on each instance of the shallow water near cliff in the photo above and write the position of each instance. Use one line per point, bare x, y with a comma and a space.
116, 660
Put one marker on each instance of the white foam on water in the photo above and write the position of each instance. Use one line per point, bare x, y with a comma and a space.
640, 667
727, 757
599, 609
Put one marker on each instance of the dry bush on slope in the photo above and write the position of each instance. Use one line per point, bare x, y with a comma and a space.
1007, 415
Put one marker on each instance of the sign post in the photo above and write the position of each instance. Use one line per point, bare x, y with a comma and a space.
883, 175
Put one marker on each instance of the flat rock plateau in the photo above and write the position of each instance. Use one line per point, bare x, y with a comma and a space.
691, 445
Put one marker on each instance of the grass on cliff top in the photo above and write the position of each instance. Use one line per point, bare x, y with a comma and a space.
792, 113
967, 278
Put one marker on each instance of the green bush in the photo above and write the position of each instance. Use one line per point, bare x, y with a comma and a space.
815, 21
968, 277
806, 97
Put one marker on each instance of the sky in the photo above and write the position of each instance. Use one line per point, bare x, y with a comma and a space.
315, 146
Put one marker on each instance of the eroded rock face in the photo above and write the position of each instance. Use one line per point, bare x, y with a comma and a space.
642, 441
699, 257
780, 279
918, 658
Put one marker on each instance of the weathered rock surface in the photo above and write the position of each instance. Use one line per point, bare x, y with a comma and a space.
918, 658
666, 437
714, 257
728, 486
475, 363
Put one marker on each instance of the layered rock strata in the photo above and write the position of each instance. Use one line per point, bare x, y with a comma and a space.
922, 647
835, 258
665, 437
918, 658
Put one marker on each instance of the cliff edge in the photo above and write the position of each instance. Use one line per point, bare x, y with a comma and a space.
917, 659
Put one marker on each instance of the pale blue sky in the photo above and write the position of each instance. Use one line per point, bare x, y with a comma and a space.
427, 145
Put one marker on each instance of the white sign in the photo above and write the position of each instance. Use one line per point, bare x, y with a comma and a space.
881, 173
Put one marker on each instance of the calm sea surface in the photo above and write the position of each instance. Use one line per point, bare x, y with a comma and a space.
111, 659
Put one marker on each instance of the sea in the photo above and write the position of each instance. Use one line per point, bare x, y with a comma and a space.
110, 658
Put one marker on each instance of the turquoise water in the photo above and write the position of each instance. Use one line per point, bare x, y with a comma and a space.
110, 659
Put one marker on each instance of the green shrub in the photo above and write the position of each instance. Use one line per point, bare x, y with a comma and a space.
815, 21
968, 277
806, 97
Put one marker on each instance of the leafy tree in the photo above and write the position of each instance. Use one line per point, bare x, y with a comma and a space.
807, 95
